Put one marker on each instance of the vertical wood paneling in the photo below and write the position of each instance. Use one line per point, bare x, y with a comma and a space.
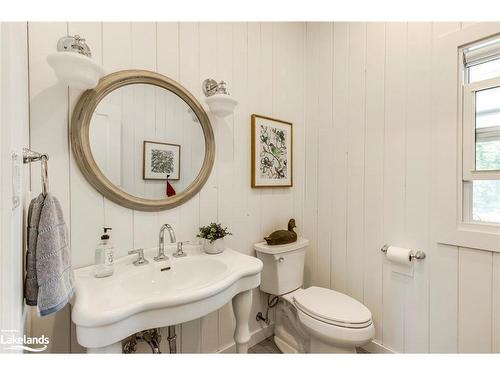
339, 146
394, 179
310, 229
374, 172
282, 73
14, 135
143, 56
209, 195
325, 153
189, 213
443, 299
474, 301
255, 105
89, 215
443, 260
225, 158
49, 131
355, 159
117, 55
418, 174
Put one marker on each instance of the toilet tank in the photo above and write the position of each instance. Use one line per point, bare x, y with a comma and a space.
283, 269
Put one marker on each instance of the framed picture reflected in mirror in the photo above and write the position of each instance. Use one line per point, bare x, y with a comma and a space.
161, 159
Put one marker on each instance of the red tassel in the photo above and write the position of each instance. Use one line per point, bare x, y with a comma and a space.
170, 189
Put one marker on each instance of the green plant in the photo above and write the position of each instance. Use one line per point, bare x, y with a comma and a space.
213, 232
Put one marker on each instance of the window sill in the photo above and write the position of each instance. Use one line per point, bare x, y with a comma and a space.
473, 236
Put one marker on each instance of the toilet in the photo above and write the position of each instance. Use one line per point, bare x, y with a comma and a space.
315, 319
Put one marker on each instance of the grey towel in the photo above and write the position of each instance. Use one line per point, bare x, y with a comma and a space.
53, 264
31, 283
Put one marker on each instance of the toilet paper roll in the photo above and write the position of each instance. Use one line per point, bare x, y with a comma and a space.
399, 255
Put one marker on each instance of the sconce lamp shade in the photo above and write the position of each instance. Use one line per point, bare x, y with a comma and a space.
221, 105
75, 70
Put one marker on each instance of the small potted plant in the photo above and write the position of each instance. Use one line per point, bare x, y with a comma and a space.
213, 238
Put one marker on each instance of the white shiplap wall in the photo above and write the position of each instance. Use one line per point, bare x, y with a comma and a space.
13, 137
264, 66
368, 182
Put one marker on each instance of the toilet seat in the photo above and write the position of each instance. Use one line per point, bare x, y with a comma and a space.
331, 307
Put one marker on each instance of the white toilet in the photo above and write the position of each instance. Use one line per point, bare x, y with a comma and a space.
312, 320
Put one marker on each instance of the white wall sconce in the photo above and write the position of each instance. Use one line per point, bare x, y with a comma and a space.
73, 63
218, 99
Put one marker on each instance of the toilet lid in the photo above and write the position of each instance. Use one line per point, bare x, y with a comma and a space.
332, 307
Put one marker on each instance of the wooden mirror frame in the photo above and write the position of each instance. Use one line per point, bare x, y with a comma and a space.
80, 140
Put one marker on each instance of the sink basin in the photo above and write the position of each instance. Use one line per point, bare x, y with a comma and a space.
159, 294
187, 274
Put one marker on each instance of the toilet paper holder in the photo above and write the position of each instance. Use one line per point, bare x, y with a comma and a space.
418, 254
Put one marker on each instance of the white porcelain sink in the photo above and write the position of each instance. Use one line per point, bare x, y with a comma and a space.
188, 273
161, 294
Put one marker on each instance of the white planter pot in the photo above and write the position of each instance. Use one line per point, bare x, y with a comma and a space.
215, 247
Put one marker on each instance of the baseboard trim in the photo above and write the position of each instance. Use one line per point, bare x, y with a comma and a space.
377, 348
256, 336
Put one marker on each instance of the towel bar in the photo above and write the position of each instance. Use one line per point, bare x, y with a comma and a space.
31, 156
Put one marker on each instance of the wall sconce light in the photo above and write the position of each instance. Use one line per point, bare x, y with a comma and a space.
73, 63
218, 99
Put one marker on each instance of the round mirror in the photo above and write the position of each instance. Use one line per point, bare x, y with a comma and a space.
142, 140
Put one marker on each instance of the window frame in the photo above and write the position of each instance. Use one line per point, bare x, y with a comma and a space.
467, 107
469, 90
447, 221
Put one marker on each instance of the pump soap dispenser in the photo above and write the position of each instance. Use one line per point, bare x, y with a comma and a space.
104, 254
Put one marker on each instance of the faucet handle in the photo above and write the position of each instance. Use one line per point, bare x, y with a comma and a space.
180, 252
180, 244
140, 257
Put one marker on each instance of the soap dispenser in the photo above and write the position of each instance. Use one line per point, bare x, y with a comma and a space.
104, 254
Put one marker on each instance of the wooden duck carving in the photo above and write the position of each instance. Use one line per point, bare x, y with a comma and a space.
282, 237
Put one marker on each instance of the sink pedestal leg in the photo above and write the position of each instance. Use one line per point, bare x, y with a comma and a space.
242, 304
115, 348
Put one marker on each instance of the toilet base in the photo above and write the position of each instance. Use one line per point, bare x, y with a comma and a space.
291, 336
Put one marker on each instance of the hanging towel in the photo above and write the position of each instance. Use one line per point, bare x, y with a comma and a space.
53, 265
30, 283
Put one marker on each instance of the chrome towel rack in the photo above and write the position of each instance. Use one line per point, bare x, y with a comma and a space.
31, 156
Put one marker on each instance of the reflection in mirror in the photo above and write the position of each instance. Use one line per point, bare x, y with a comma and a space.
147, 141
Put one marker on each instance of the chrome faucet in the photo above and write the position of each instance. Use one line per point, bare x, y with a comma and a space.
161, 246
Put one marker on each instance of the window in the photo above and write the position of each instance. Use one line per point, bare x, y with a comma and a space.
481, 133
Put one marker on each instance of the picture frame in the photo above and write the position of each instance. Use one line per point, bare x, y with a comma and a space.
272, 152
161, 159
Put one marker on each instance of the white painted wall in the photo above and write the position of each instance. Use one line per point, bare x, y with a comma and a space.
13, 137
264, 66
369, 168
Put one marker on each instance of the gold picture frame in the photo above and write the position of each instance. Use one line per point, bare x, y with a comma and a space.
272, 152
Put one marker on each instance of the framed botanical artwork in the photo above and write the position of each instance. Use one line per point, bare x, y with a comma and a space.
272, 157
160, 160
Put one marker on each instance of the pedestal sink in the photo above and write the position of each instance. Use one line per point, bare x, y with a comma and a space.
106, 311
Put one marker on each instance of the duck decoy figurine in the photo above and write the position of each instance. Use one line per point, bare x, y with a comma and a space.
282, 237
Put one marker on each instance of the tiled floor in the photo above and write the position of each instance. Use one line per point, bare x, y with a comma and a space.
265, 347
268, 346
